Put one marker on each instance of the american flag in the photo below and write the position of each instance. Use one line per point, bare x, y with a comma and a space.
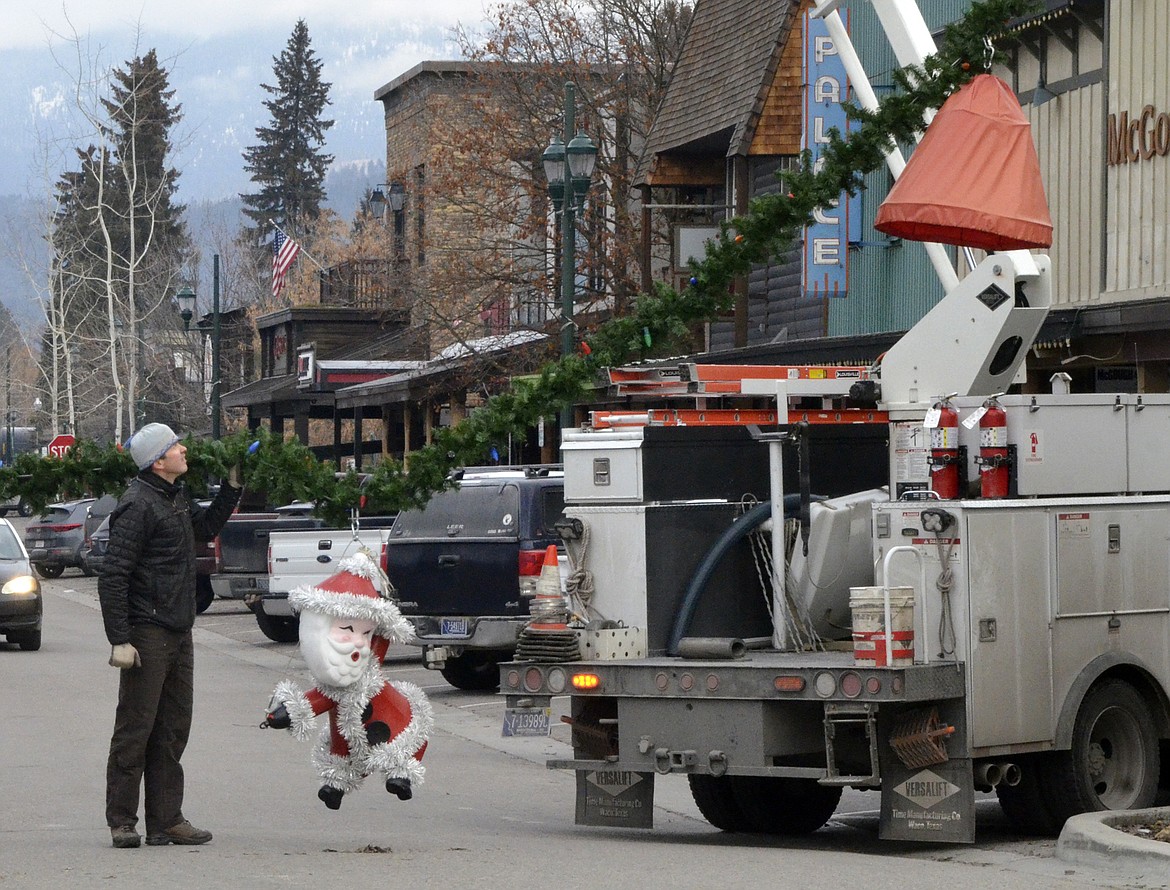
284, 251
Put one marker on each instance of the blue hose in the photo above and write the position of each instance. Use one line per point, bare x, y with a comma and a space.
737, 531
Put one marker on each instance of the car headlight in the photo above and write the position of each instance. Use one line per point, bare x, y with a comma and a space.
22, 585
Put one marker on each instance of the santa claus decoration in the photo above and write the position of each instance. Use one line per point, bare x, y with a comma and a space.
347, 622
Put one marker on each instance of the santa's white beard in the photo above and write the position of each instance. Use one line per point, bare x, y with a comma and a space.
330, 662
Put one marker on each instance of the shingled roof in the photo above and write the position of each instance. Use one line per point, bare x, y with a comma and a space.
721, 78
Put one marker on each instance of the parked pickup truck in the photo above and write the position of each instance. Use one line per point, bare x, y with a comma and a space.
241, 549
309, 556
465, 567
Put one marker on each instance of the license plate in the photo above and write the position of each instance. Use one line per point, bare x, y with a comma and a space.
38, 544
526, 721
455, 627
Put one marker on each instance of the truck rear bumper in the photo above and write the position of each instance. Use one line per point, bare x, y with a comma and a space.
480, 633
54, 556
236, 587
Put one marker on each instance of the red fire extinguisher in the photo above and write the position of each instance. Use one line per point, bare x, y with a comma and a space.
944, 452
994, 463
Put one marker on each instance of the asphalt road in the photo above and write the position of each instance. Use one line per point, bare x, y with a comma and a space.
489, 815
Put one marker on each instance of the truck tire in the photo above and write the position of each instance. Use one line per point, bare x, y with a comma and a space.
474, 670
24, 508
715, 798
278, 628
1024, 804
203, 594
1114, 760
781, 805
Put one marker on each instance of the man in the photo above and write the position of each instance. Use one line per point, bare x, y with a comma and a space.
147, 593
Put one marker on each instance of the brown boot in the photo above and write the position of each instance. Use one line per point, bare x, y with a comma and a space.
182, 833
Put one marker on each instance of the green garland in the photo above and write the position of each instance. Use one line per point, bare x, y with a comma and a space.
656, 324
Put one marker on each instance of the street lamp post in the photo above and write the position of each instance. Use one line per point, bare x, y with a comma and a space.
185, 297
36, 421
568, 167
394, 198
8, 412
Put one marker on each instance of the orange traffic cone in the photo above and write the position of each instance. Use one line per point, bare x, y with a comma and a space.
548, 609
548, 637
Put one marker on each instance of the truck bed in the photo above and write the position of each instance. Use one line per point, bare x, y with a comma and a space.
309, 556
242, 550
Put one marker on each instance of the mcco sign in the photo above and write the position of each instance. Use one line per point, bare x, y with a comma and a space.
1138, 138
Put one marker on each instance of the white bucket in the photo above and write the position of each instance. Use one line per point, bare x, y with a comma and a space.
869, 625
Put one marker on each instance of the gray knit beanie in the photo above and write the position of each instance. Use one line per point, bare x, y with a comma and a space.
150, 443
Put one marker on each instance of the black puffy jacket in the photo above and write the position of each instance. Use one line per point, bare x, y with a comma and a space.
149, 572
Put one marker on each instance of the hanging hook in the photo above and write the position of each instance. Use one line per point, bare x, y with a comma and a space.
988, 53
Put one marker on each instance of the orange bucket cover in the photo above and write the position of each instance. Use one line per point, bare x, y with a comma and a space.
974, 180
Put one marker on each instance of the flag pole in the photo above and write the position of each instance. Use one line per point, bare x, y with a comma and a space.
300, 246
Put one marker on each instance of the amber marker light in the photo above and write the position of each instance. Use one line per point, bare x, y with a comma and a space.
788, 684
586, 681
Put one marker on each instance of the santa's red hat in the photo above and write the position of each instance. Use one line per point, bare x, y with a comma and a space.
358, 590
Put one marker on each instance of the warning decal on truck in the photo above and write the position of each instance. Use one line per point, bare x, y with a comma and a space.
1072, 525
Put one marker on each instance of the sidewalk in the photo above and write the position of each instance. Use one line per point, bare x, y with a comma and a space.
1094, 839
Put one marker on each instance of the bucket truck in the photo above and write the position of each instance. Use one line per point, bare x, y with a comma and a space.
968, 606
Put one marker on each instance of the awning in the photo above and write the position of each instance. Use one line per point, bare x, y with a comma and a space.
456, 367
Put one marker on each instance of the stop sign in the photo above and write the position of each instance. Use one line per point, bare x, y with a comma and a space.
60, 445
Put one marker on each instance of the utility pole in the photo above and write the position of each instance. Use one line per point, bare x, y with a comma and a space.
215, 335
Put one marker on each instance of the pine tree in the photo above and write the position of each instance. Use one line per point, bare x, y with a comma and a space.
141, 115
287, 164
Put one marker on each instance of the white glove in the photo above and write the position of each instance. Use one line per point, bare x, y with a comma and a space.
124, 656
235, 476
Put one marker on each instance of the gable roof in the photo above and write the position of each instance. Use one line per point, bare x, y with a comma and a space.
721, 78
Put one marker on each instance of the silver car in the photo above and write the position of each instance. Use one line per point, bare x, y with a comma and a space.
20, 592
55, 538
19, 504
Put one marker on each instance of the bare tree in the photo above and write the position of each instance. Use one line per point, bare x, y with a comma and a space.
123, 234
499, 233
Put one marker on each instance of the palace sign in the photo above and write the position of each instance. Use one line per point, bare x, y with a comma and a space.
826, 241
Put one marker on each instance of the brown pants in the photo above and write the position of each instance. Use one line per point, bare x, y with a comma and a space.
151, 728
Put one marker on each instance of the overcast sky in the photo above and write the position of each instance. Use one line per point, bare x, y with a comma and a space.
27, 23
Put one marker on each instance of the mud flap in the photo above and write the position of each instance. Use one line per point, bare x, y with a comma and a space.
928, 801
615, 798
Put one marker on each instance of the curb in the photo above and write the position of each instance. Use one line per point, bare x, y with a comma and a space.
1094, 839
